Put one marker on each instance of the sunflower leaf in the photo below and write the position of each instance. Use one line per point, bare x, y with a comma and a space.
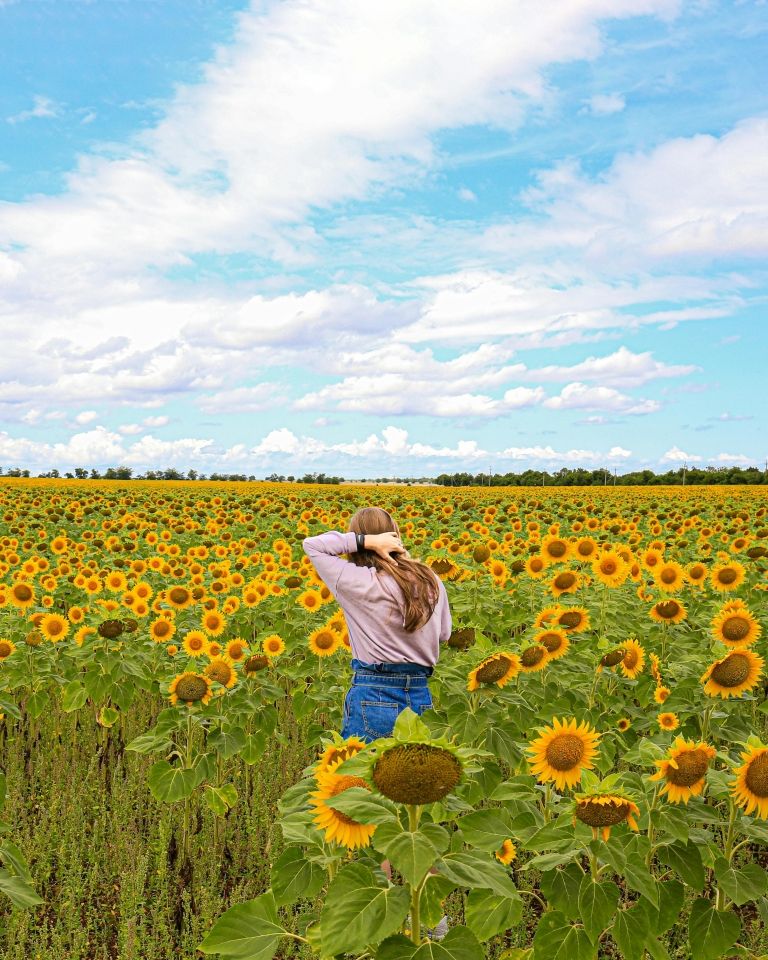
295, 877
364, 807
357, 910
743, 883
485, 829
488, 913
558, 939
597, 905
170, 784
711, 931
411, 853
248, 931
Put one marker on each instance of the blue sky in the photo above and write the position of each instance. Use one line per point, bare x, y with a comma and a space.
382, 240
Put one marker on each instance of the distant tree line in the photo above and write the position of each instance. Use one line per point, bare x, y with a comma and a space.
579, 477
565, 477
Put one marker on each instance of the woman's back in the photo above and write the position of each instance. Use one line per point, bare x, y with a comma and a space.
373, 606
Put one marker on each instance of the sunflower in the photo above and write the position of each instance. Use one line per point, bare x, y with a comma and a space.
190, 688
161, 630
585, 549
696, 573
735, 627
335, 754
236, 649
610, 568
222, 671
611, 659
310, 600
668, 611
633, 659
506, 852
337, 825
416, 773
727, 576
668, 721
669, 576
6, 648
655, 667
324, 641
179, 597
652, 558
750, 789
545, 617
567, 581
602, 811
555, 549
196, 643
623, 724
22, 594
733, 674
661, 693
213, 623
684, 769
535, 566
499, 668
573, 619
533, 658
54, 627
254, 664
562, 752
115, 581
272, 645
82, 633
556, 642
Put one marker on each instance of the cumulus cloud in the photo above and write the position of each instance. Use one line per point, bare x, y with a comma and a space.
604, 103
579, 396
41, 107
676, 455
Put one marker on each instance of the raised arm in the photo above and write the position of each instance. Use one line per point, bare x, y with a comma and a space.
325, 550
446, 623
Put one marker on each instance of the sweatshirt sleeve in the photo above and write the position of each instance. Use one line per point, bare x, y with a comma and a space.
446, 623
325, 551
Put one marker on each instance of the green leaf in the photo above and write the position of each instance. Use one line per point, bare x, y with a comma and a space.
630, 931
249, 931
169, 784
397, 947
636, 873
409, 726
364, 807
487, 913
294, 877
73, 696
254, 747
561, 888
685, 860
741, 884
227, 743
557, 939
18, 891
412, 854
37, 702
673, 821
434, 891
671, 896
485, 829
220, 799
597, 904
459, 944
357, 910
108, 716
12, 857
711, 932
468, 869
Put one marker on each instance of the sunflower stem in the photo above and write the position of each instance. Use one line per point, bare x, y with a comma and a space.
414, 814
652, 807
705, 722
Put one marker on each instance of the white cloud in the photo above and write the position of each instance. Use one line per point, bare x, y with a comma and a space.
622, 369
41, 107
261, 396
737, 459
85, 416
467, 195
160, 421
605, 103
579, 396
676, 455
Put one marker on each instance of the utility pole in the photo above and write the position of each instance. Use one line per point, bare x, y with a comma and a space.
489, 475
614, 476
685, 467
605, 477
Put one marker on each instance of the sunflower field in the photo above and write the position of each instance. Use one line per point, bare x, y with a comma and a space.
592, 781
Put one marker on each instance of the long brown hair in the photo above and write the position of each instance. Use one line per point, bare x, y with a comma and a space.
417, 582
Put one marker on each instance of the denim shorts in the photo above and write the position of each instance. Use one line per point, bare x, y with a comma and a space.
379, 692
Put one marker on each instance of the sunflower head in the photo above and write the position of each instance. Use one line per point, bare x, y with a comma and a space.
562, 752
734, 674
750, 787
462, 639
533, 658
506, 852
602, 811
735, 626
416, 773
338, 826
684, 769
190, 688
497, 669
633, 659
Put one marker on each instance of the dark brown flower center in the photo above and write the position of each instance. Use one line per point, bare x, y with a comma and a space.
220, 672
570, 619
756, 779
532, 655
191, 688
256, 662
602, 814
727, 575
565, 580
565, 751
325, 640
552, 641
732, 671
558, 548
668, 576
178, 595
691, 767
612, 657
493, 670
608, 567
735, 628
668, 609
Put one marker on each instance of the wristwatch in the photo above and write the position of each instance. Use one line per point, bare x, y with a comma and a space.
360, 538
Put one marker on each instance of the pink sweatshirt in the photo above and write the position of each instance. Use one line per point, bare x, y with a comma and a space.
373, 606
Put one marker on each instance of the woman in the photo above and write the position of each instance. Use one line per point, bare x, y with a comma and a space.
397, 614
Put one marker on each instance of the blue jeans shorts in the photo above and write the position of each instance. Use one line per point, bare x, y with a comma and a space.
379, 692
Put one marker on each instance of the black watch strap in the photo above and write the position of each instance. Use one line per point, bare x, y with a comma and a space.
360, 537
